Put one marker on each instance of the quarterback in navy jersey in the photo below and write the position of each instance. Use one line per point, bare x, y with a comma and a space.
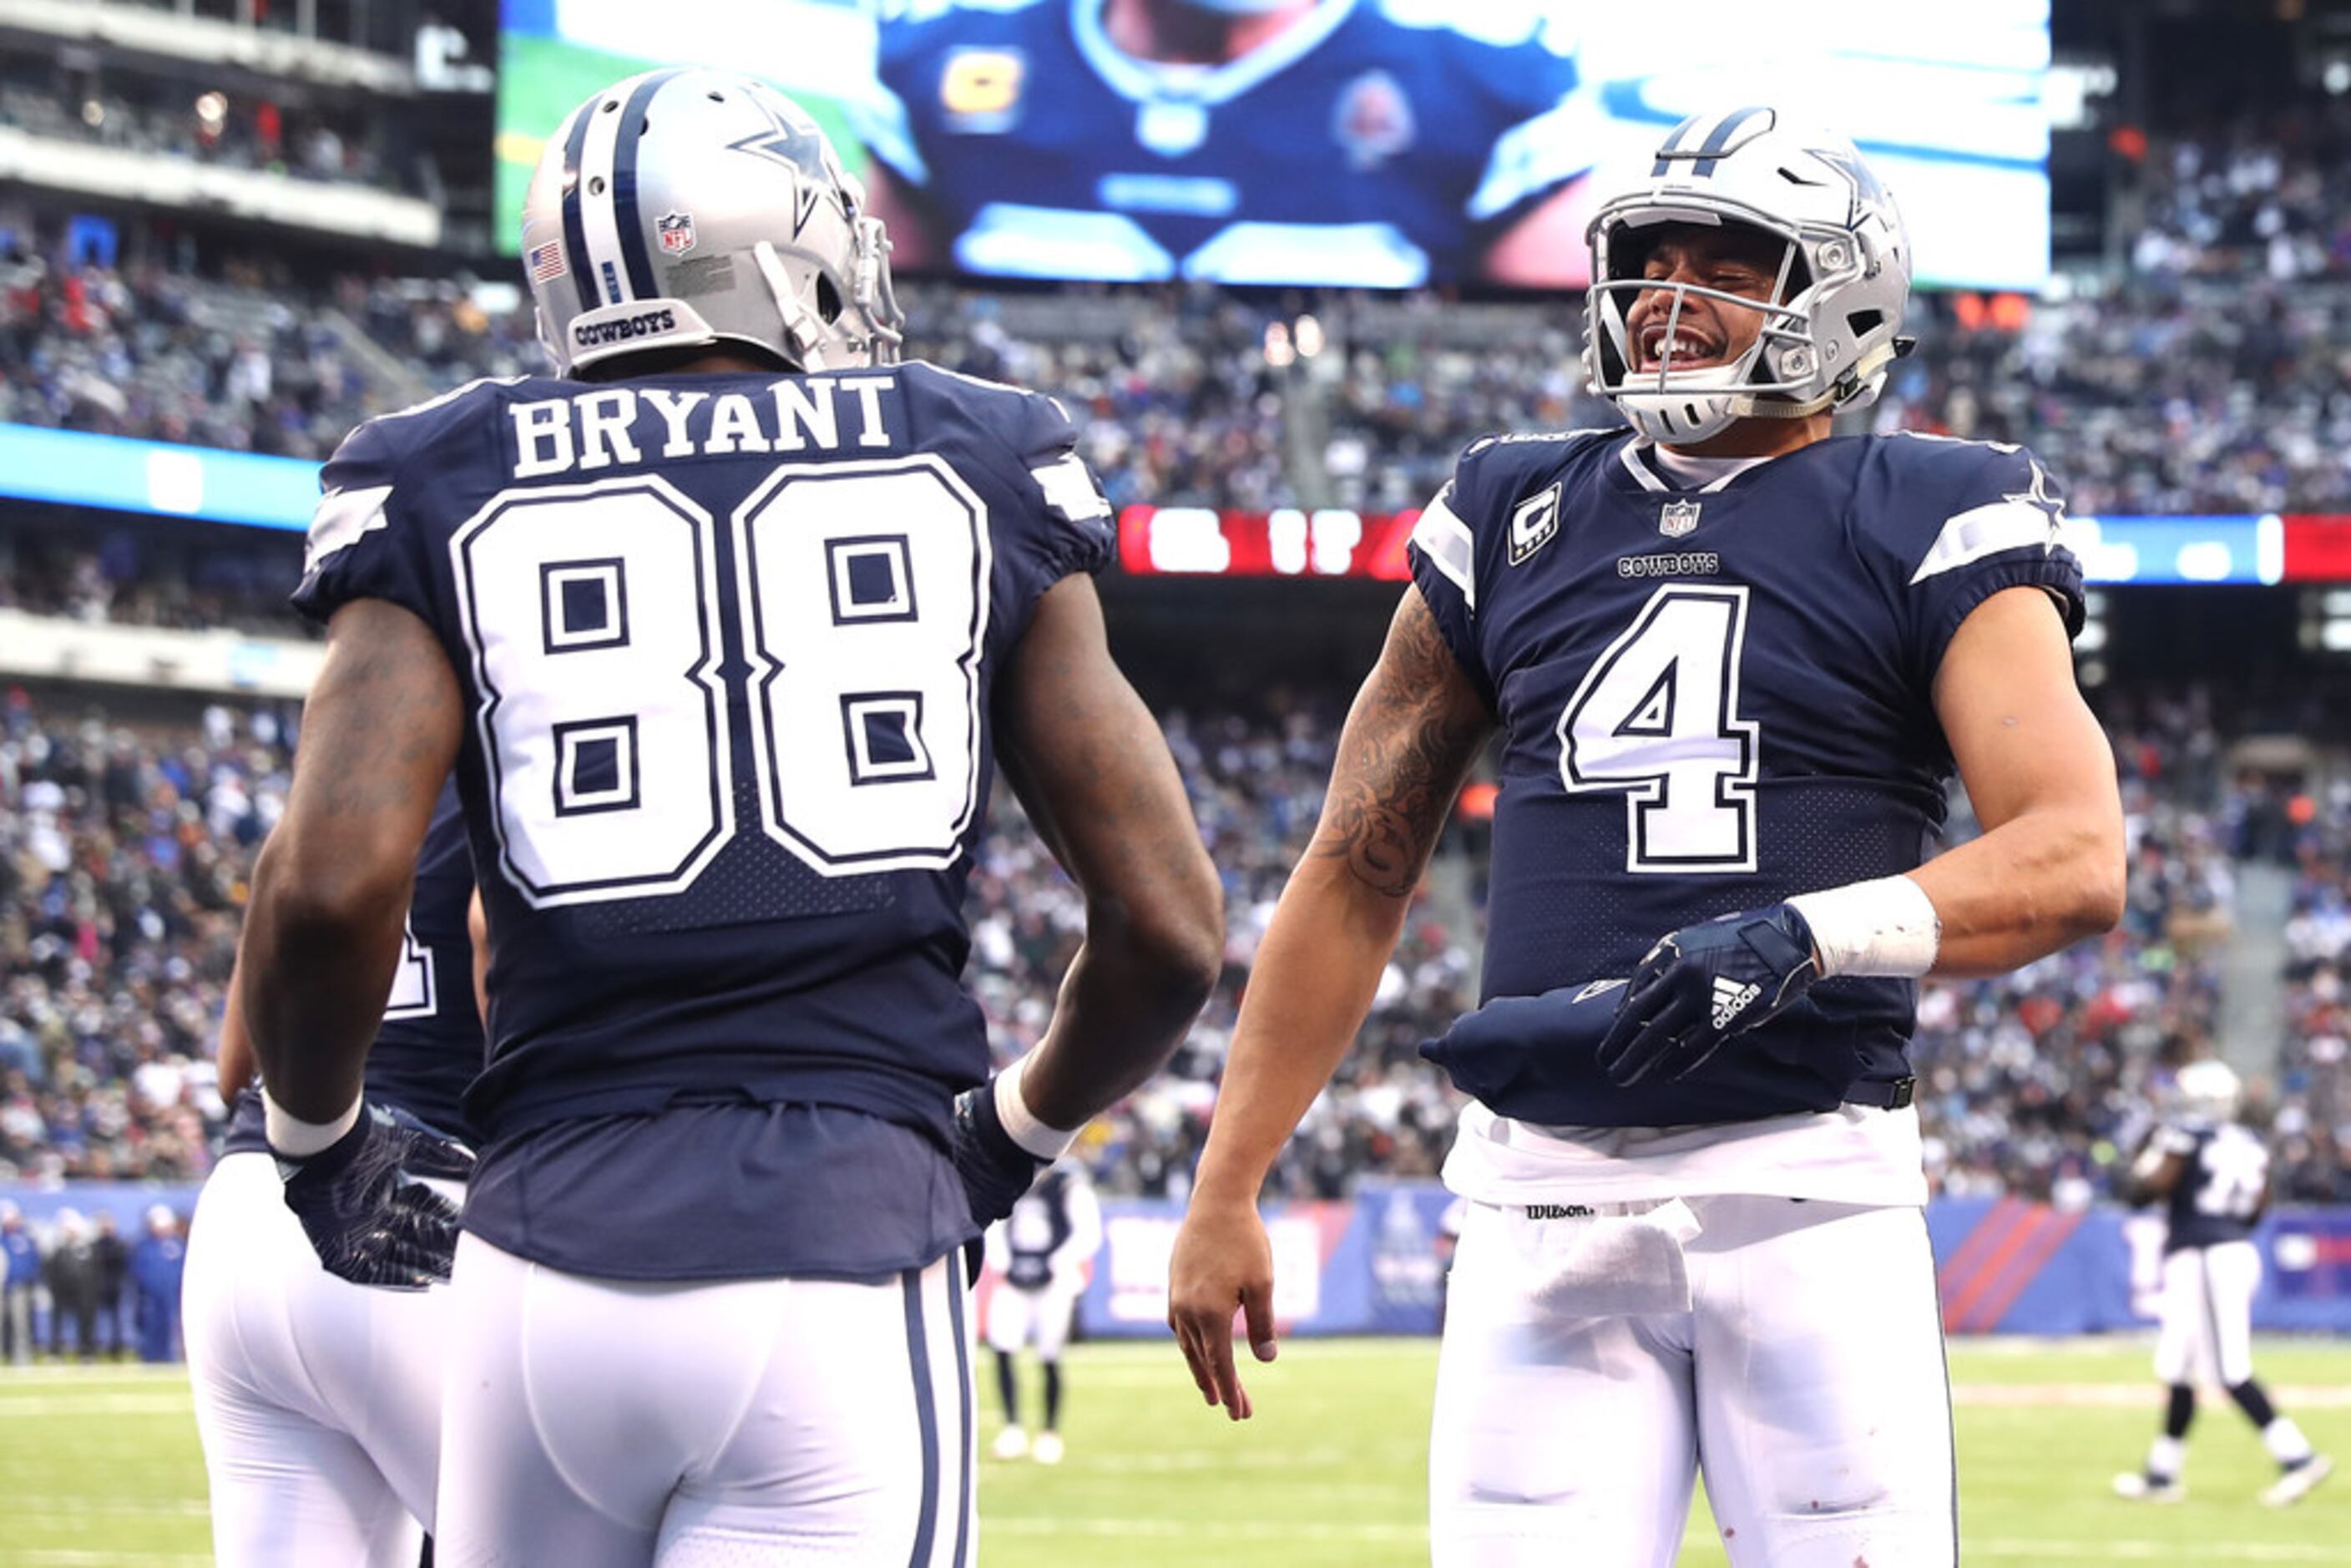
1732, 662
2212, 1174
725, 630
1381, 143
319, 1395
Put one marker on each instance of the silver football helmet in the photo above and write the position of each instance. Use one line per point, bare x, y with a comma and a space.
1829, 332
2208, 1090
692, 208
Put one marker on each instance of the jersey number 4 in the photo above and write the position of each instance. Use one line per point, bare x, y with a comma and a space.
599, 625
1657, 719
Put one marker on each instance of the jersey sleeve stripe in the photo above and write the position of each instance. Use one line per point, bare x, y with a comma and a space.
342, 520
1552, 149
1446, 541
1070, 489
1987, 530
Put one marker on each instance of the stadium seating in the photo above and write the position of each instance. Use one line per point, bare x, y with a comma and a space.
2204, 380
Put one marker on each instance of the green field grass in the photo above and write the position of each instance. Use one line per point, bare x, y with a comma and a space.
101, 1467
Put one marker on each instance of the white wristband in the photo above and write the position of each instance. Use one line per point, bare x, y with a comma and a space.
1021, 1124
1885, 928
297, 1139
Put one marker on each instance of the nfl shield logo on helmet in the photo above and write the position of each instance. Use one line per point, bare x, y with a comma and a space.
677, 231
1678, 519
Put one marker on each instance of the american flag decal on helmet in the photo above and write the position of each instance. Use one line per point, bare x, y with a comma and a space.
544, 263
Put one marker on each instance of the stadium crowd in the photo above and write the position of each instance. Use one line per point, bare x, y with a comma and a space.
2204, 377
124, 854
2312, 1123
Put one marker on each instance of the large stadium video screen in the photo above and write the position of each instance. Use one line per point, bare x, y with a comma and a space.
1376, 144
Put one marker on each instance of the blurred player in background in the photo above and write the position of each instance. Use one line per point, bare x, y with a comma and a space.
727, 630
1042, 1253
1732, 661
317, 1387
2212, 1177
1245, 141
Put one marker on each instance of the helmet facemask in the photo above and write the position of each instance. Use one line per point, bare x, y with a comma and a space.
1829, 326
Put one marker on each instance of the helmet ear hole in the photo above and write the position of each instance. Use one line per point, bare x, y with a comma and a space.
828, 301
1864, 322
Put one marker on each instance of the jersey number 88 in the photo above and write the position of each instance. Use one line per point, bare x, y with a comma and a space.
599, 624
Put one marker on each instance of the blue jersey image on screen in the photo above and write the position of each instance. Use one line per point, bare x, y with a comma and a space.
1354, 147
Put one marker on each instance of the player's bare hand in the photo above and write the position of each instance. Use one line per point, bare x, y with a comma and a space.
1222, 1265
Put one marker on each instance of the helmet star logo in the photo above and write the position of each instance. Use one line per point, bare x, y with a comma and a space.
1867, 192
798, 145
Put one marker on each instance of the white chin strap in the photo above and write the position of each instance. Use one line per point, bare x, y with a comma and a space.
1702, 414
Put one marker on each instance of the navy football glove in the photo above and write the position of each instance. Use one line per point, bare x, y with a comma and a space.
995, 1171
1704, 984
369, 1216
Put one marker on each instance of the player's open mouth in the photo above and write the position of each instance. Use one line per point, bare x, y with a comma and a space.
1684, 347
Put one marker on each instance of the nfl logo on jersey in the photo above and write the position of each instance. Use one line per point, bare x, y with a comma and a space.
1679, 518
677, 231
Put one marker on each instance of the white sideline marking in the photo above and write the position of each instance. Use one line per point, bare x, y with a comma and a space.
158, 1404
74, 1508
2105, 1550
2296, 1397
1208, 1530
2159, 1551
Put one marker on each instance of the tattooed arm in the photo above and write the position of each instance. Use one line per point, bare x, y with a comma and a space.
322, 933
1415, 727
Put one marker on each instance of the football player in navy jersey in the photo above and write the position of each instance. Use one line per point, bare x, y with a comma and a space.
1382, 143
1042, 1255
318, 1397
2212, 1177
726, 631
1732, 662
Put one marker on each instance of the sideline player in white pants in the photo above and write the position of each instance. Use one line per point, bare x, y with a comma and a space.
2211, 1176
1040, 1255
1733, 661
725, 627
319, 1399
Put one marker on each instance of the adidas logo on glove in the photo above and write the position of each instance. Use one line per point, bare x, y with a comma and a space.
1730, 1000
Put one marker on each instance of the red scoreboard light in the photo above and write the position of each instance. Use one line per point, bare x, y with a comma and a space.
2317, 549
1200, 541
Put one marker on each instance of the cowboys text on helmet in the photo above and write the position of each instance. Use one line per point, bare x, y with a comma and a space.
684, 209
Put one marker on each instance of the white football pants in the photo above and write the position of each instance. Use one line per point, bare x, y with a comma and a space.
1806, 1379
615, 1424
1017, 1317
319, 1401
2208, 1314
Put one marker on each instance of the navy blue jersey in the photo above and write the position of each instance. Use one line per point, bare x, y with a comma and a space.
1055, 1228
2222, 1188
728, 644
1714, 700
1369, 144
429, 1050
